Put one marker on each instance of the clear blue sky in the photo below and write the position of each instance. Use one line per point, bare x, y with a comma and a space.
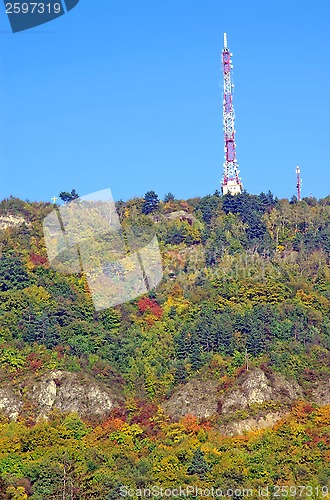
126, 94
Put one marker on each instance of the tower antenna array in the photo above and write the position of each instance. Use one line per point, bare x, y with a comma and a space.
231, 182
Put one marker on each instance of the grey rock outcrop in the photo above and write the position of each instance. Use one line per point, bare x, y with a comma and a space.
320, 393
10, 402
197, 397
202, 398
252, 423
257, 388
11, 221
65, 391
181, 215
71, 392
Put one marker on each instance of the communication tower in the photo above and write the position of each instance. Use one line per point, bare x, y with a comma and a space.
231, 182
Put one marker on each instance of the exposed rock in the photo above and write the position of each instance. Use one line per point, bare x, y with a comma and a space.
197, 397
202, 398
181, 215
11, 221
10, 403
72, 392
254, 387
257, 388
157, 218
65, 391
320, 393
79, 392
252, 423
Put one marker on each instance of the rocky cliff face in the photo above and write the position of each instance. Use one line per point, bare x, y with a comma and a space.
320, 393
64, 391
246, 406
240, 426
197, 397
257, 388
10, 402
11, 221
253, 390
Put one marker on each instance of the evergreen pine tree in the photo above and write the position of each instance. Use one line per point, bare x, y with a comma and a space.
198, 464
66, 196
151, 202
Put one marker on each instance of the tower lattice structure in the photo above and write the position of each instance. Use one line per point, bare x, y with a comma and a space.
231, 182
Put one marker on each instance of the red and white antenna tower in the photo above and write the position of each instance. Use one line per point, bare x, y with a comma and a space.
298, 183
231, 182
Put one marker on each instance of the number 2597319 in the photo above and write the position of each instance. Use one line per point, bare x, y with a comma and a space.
33, 8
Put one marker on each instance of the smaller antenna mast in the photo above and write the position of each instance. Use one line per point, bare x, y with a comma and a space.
298, 183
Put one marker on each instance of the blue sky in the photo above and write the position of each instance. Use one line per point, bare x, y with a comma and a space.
127, 95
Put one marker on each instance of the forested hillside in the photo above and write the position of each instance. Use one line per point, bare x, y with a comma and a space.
246, 287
